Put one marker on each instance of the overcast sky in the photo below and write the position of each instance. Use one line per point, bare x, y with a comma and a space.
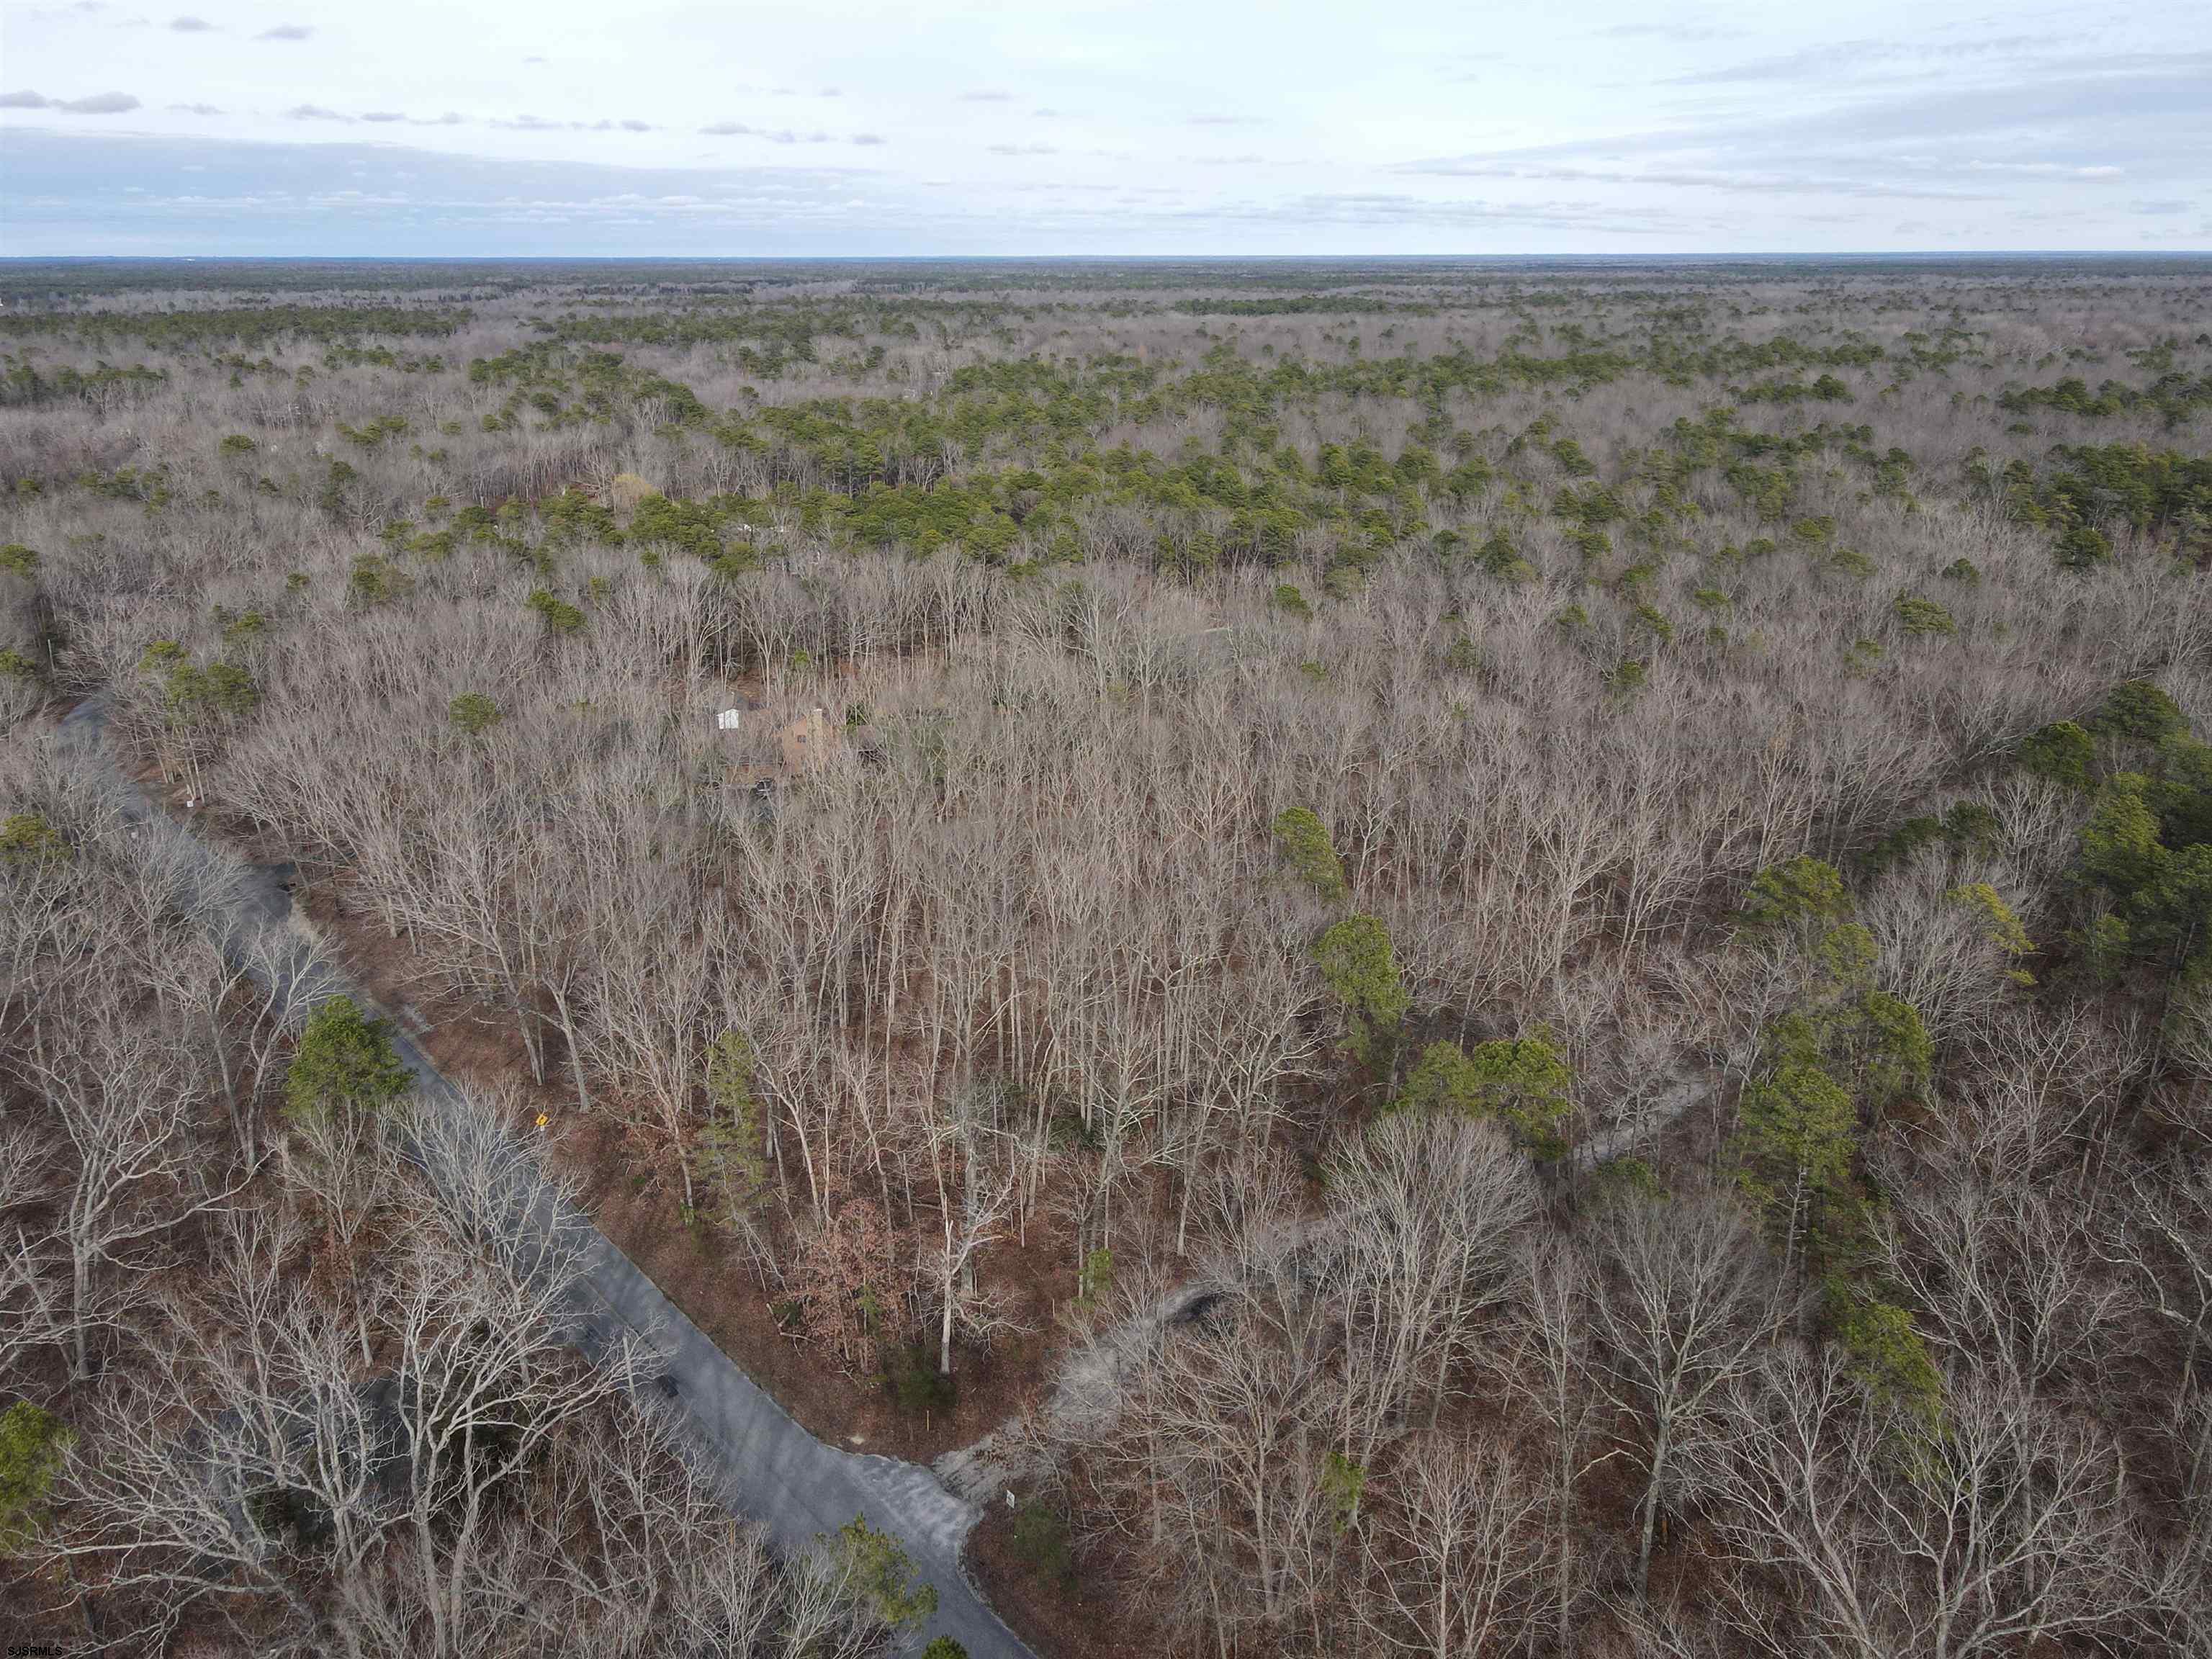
1135, 127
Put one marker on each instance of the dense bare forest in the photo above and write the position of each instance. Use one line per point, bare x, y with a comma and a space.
1443, 958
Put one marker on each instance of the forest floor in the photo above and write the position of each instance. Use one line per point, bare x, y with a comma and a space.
636, 1199
1081, 1618
777, 1467
635, 1202
634, 1196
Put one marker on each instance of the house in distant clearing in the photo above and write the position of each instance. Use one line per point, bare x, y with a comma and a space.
806, 743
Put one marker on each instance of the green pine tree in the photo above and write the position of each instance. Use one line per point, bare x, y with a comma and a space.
1523, 1083
1303, 842
731, 1149
1359, 966
346, 1062
1797, 1134
33, 1444
882, 1577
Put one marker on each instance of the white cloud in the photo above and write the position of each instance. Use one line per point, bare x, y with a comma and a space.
771, 135
100, 103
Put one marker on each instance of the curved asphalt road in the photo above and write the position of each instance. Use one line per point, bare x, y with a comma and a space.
770, 1468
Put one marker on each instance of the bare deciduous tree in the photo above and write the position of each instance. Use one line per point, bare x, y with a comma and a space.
1686, 1302
2007, 1528
1457, 1553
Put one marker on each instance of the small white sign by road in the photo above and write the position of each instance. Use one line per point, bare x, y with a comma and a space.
727, 719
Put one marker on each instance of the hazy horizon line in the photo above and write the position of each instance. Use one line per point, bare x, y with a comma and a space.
1951, 255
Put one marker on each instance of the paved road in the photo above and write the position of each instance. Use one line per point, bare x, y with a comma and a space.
771, 1470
